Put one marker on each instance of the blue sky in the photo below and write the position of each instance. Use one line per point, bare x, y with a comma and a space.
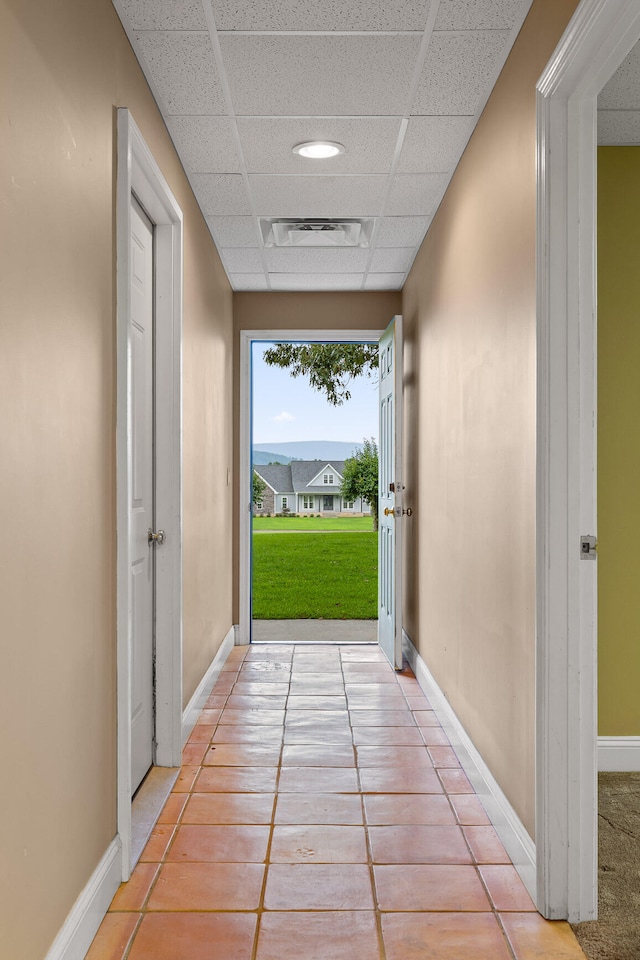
287, 409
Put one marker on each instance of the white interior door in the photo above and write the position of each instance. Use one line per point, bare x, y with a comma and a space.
390, 494
141, 494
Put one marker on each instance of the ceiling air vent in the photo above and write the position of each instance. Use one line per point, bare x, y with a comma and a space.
316, 233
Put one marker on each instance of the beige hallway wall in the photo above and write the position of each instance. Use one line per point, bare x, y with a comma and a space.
301, 311
469, 308
65, 66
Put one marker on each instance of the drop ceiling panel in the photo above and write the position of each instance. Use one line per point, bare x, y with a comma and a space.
317, 196
402, 231
221, 194
328, 15
248, 281
393, 260
471, 15
459, 69
434, 144
314, 260
318, 75
183, 71
267, 144
242, 260
617, 127
416, 193
384, 281
164, 14
621, 92
234, 231
315, 281
205, 144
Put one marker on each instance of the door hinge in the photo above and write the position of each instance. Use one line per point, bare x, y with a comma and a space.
588, 548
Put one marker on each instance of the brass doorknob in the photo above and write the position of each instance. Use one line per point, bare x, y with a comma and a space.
389, 512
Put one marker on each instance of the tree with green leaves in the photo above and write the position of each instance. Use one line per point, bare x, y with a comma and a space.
258, 487
328, 366
360, 477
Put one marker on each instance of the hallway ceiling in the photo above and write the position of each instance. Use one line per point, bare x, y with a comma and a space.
400, 83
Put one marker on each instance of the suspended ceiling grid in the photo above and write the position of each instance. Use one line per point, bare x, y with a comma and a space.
401, 83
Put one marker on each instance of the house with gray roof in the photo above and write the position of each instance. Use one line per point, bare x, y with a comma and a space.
306, 487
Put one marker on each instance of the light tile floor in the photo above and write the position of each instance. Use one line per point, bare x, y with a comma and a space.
322, 815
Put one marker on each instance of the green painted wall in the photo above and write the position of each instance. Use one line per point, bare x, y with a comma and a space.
619, 440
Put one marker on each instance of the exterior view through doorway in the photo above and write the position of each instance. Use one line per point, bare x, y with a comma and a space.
303, 498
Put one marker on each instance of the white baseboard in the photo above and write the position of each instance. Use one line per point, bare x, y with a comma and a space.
192, 710
87, 913
619, 754
503, 817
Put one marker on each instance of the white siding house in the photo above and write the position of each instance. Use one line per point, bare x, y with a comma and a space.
308, 487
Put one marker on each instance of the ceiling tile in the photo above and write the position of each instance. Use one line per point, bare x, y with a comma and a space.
458, 72
205, 144
221, 194
328, 15
342, 260
415, 193
402, 231
183, 71
315, 281
434, 144
618, 127
317, 196
319, 75
164, 14
384, 281
267, 144
621, 92
393, 260
248, 281
241, 260
234, 231
471, 15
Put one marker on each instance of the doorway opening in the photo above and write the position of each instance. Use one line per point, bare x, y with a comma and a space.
598, 39
149, 481
247, 338
314, 521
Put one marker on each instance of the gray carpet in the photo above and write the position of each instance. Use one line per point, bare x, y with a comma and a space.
616, 933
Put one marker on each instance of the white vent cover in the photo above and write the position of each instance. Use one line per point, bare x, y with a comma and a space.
316, 233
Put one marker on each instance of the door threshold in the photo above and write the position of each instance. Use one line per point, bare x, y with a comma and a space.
314, 631
147, 804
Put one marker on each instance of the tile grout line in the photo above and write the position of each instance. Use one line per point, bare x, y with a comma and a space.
372, 877
267, 859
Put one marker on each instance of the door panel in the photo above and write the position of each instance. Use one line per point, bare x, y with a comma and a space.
141, 495
390, 494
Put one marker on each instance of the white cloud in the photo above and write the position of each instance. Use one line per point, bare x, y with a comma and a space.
284, 417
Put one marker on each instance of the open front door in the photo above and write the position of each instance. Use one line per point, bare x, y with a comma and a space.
390, 494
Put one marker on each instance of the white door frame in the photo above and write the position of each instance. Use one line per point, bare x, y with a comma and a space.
139, 174
246, 339
599, 36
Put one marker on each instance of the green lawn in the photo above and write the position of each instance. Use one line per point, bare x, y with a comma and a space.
312, 523
312, 576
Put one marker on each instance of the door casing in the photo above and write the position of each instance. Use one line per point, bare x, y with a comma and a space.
247, 337
139, 174
599, 36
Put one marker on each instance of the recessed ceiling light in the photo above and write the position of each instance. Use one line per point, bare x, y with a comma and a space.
318, 149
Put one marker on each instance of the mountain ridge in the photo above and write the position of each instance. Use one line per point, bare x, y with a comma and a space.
310, 449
